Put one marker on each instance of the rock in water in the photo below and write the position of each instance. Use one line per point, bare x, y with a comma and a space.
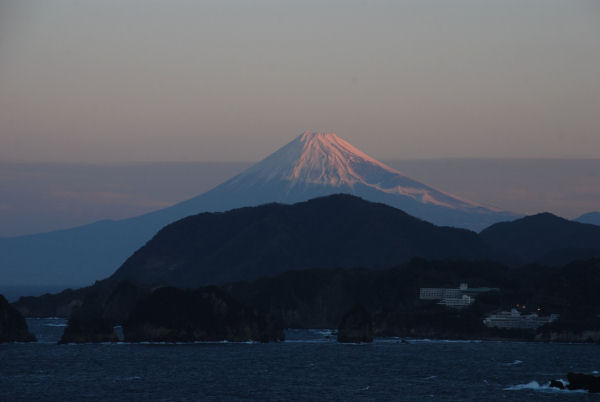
557, 384
88, 328
87, 324
13, 327
206, 314
583, 381
356, 326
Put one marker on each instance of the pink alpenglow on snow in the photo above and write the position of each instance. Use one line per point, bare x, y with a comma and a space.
327, 160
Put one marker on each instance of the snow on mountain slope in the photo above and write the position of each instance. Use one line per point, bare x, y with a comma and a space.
325, 159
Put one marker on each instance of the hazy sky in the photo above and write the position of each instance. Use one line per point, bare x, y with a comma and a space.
122, 80
42, 197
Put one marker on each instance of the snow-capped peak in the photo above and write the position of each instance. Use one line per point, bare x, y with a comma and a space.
325, 158
326, 161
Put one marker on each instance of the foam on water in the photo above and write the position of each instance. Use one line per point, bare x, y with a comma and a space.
446, 340
536, 386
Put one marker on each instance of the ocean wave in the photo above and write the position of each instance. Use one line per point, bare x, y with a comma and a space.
321, 331
308, 341
514, 363
426, 340
536, 386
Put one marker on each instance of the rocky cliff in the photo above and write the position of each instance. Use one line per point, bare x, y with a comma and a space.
206, 314
13, 327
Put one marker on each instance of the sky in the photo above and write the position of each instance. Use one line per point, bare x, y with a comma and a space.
113, 108
40, 197
120, 81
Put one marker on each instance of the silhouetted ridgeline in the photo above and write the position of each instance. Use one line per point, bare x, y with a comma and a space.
339, 231
543, 238
247, 243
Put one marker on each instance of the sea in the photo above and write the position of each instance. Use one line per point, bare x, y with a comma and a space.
309, 365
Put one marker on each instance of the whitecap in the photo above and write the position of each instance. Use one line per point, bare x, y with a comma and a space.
308, 341
536, 386
427, 340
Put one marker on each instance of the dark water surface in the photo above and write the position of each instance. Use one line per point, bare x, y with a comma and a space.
309, 366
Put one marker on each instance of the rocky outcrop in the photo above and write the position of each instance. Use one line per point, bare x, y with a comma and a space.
206, 314
356, 326
578, 381
82, 329
587, 382
13, 327
87, 324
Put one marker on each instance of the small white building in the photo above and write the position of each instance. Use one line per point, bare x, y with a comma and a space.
457, 302
450, 297
438, 293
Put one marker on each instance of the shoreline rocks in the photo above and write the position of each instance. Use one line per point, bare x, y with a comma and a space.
206, 314
87, 323
88, 330
579, 381
588, 382
356, 326
13, 327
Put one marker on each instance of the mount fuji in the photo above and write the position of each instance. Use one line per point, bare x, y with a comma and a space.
318, 164
312, 165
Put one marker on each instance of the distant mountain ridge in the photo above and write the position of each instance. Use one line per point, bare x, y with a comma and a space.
312, 165
591, 217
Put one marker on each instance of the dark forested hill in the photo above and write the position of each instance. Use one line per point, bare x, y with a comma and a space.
543, 238
247, 243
